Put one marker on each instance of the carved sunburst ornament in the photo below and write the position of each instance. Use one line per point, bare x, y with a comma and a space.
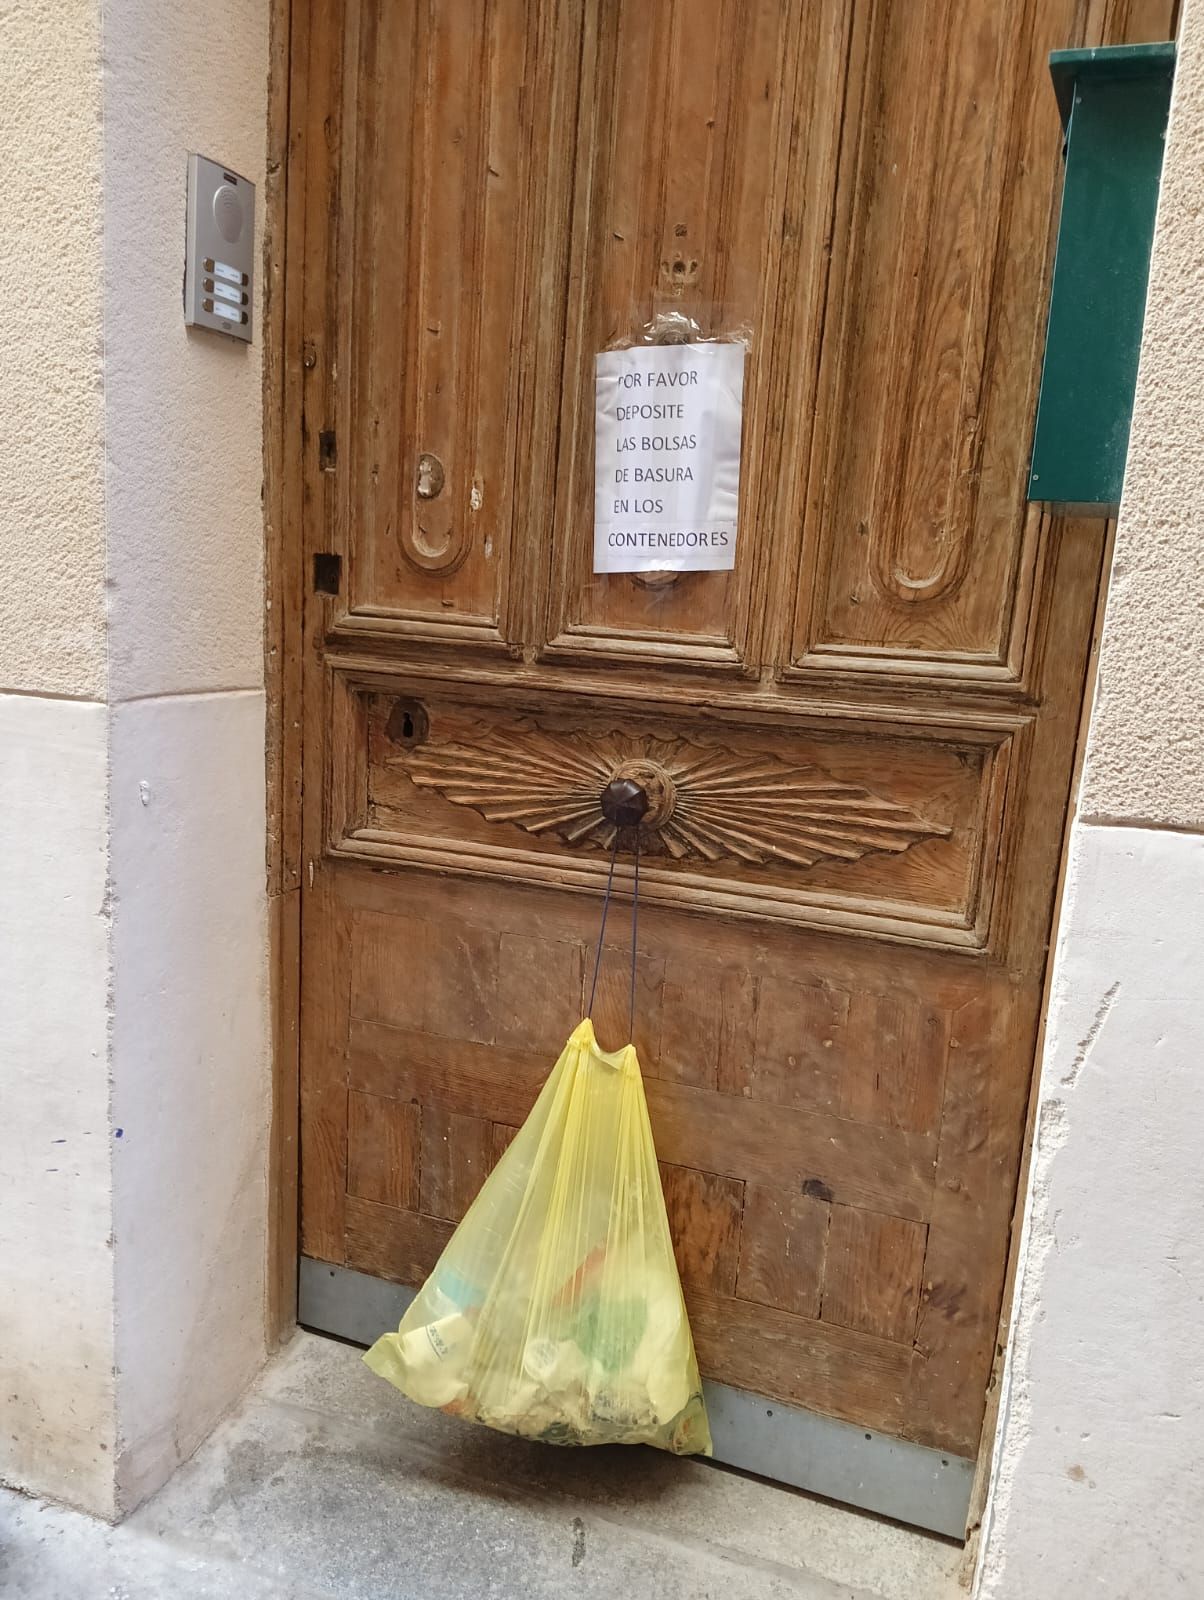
704, 802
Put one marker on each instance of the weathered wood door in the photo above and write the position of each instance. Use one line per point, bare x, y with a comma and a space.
864, 734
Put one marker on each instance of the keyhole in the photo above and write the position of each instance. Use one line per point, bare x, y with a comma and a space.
408, 724
430, 476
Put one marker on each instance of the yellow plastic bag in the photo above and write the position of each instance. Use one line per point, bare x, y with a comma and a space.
556, 1310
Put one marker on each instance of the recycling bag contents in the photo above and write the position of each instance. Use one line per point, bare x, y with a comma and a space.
555, 1311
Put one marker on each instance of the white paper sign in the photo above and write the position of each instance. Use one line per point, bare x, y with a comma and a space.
667, 462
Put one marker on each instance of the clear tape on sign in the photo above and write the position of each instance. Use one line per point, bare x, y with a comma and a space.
671, 322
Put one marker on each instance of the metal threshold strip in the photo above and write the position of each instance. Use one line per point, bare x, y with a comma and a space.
858, 1466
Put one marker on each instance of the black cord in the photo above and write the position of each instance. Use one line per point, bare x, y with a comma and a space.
635, 933
635, 930
602, 930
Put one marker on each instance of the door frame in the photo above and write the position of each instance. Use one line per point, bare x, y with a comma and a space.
283, 598
284, 576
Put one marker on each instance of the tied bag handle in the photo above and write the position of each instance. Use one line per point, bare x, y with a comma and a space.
624, 803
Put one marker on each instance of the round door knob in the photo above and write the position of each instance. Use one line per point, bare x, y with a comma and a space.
624, 802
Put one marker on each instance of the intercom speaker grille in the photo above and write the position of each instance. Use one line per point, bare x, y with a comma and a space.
227, 213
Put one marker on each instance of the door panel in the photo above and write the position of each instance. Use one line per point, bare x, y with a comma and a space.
443, 298
887, 828
802, 1100
688, 108
919, 538
859, 743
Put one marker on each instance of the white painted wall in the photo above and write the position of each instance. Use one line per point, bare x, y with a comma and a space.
132, 818
1100, 1454
1099, 1480
57, 1391
191, 1087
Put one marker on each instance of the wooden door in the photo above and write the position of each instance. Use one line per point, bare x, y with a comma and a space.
863, 734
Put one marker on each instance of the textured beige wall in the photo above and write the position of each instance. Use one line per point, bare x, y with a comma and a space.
184, 405
51, 421
1145, 752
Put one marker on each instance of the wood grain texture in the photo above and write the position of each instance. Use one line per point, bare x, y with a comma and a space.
700, 1008
872, 1273
939, 260
783, 1247
313, 314
686, 110
402, 1246
325, 986
837, 1041
284, 1138
383, 1150
442, 141
439, 977
713, 804
796, 1059
971, 1210
540, 995
457, 1156
443, 207
814, 821
705, 1214
896, 1051
611, 1010
503, 1137
283, 555
834, 1370
283, 578
1131, 21
883, 1168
